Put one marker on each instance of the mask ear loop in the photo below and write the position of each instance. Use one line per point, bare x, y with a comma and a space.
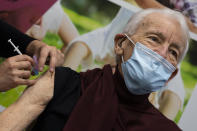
122, 59
130, 39
131, 42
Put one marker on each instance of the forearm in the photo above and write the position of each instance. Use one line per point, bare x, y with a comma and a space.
30, 104
18, 116
67, 31
154, 4
191, 26
170, 104
149, 4
75, 54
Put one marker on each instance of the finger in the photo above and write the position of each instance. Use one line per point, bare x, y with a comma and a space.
19, 58
42, 58
23, 65
47, 75
23, 74
52, 60
27, 82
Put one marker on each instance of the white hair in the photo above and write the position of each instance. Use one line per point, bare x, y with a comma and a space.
137, 18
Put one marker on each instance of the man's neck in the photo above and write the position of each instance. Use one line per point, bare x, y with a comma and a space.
120, 69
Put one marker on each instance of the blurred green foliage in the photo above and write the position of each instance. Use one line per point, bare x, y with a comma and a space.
192, 53
99, 10
53, 40
9, 97
82, 23
189, 74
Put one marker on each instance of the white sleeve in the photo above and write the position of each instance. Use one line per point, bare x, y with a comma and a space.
53, 17
101, 41
116, 26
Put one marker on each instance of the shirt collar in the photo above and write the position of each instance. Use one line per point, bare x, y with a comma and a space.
124, 95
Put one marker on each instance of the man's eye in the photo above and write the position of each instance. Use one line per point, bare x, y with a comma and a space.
174, 53
153, 38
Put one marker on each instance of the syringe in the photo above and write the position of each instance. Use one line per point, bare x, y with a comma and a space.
35, 69
18, 51
15, 48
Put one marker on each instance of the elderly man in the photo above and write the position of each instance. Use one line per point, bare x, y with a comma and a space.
99, 45
102, 99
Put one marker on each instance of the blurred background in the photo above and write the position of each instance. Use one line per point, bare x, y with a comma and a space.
88, 15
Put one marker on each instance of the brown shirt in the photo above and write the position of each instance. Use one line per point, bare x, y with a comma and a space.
98, 100
107, 105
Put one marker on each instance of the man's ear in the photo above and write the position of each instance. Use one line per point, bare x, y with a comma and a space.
119, 38
173, 74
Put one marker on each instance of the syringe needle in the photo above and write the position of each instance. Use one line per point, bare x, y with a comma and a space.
35, 69
18, 51
15, 48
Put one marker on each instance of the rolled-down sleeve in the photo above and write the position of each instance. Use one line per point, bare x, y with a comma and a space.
18, 38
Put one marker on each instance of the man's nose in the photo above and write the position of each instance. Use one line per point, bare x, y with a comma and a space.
162, 51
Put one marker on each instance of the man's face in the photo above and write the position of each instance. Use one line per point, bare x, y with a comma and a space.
160, 33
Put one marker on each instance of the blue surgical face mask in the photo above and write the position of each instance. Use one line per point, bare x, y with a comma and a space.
145, 71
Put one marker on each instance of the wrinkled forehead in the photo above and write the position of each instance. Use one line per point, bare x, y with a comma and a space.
161, 22
166, 25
